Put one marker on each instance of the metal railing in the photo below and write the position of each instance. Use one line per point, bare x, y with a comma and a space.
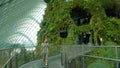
86, 54
112, 54
15, 57
73, 56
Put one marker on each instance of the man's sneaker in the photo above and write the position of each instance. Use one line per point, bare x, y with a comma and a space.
46, 64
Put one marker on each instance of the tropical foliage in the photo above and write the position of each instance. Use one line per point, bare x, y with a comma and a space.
57, 16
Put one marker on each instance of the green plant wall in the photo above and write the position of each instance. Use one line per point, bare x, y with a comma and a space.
57, 15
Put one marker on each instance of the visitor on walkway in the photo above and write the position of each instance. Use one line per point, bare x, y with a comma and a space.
44, 50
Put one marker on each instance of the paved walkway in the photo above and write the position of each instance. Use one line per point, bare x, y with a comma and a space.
54, 62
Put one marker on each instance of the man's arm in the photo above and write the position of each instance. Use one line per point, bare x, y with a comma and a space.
41, 49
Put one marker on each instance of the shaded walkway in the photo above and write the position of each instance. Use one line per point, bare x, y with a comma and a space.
54, 62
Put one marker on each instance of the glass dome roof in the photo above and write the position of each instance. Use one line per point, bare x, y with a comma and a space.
19, 22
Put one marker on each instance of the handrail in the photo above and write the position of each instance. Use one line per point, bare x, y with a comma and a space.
97, 57
13, 54
104, 46
26, 56
83, 51
65, 56
16, 47
8, 61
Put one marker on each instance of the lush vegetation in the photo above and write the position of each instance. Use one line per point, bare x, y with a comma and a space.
57, 16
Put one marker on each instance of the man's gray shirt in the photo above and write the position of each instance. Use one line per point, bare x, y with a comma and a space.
45, 47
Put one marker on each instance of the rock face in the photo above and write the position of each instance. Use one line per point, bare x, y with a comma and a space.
89, 20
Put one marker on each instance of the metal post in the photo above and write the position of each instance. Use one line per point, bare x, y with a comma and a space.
116, 54
10, 64
33, 57
24, 56
62, 59
83, 62
5, 66
63, 56
16, 61
83, 57
66, 61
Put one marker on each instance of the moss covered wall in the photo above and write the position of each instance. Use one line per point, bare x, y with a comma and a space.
57, 16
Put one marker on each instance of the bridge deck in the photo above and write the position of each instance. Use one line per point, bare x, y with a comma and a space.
54, 62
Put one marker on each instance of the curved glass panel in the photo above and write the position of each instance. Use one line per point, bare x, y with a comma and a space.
19, 22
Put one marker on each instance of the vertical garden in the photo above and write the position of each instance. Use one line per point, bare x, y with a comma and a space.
67, 22
81, 22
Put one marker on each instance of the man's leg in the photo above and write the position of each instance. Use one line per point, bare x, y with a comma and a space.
44, 55
46, 59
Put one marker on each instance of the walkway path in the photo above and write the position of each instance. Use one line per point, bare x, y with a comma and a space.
54, 62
